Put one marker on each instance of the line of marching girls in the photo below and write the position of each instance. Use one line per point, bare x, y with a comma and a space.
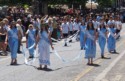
37, 33
97, 29
90, 30
94, 29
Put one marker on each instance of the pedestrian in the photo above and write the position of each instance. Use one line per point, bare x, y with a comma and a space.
19, 26
50, 25
111, 41
76, 26
54, 25
36, 23
82, 35
90, 43
43, 41
102, 35
65, 31
118, 25
59, 34
7, 27
13, 36
3, 39
111, 20
70, 24
95, 23
31, 33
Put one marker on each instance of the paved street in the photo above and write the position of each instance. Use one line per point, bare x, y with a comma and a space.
110, 69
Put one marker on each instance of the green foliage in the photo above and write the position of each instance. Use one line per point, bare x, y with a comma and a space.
105, 3
15, 2
22, 2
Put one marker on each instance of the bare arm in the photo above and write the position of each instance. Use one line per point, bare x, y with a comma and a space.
27, 31
96, 35
19, 34
106, 34
85, 37
50, 41
37, 39
6, 39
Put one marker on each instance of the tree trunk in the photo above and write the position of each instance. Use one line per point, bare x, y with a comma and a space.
43, 7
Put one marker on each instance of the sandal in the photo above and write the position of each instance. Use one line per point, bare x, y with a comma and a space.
88, 63
40, 68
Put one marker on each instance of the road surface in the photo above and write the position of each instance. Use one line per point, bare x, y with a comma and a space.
110, 69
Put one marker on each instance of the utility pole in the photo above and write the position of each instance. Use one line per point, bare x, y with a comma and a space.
119, 5
35, 4
91, 5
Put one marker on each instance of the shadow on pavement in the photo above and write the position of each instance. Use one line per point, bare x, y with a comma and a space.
106, 58
48, 69
95, 65
15, 65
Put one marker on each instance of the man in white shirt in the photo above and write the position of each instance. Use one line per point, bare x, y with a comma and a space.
76, 26
110, 21
19, 26
70, 24
65, 29
95, 23
118, 25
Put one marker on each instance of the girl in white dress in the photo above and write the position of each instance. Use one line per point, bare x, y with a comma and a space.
43, 41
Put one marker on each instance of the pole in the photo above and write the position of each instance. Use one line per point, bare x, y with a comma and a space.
91, 5
115, 6
119, 5
72, 6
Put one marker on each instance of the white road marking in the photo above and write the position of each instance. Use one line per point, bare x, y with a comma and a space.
104, 80
5, 59
104, 73
117, 78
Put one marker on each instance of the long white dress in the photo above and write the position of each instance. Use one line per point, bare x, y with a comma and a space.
43, 48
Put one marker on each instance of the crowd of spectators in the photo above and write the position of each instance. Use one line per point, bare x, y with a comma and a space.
23, 20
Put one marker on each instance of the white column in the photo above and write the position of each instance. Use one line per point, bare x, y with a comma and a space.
72, 6
80, 7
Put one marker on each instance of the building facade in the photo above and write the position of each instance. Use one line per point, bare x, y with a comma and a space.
120, 3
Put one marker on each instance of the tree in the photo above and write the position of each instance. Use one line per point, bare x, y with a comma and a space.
105, 3
15, 2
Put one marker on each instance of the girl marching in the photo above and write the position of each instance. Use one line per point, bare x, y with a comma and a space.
102, 35
31, 33
82, 34
90, 43
111, 38
43, 41
13, 36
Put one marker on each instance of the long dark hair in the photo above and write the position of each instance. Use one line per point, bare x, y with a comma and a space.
88, 28
46, 28
13, 24
113, 25
103, 26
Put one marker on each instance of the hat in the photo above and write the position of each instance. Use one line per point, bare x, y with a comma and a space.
54, 17
30, 25
18, 20
13, 22
5, 19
